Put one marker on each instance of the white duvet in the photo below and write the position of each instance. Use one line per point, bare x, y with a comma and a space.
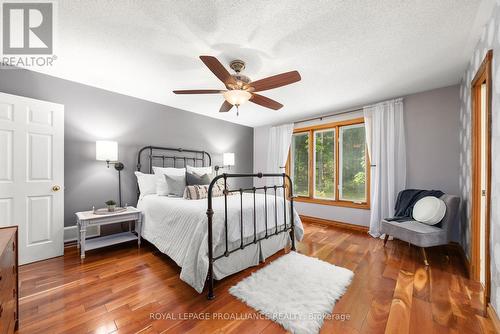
178, 228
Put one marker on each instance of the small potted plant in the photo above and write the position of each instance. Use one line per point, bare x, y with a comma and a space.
111, 205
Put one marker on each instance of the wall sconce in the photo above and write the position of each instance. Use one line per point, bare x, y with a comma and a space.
227, 161
106, 150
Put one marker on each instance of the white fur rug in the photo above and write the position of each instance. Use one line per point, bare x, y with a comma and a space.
296, 291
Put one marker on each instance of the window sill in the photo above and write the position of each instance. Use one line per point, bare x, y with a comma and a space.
347, 204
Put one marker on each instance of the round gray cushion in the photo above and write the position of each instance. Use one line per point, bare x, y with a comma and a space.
429, 210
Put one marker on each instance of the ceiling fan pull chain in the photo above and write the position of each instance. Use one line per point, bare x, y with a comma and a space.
237, 110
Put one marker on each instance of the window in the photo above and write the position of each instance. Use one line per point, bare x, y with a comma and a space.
300, 170
352, 174
324, 164
328, 164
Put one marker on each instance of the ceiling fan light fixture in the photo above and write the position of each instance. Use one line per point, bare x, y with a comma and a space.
237, 96
240, 88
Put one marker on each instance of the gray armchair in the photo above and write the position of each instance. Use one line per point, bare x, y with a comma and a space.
423, 235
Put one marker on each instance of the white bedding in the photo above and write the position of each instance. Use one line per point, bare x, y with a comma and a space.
178, 228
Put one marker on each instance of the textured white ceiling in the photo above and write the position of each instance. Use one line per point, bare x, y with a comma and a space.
348, 52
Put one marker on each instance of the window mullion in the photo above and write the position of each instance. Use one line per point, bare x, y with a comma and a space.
336, 165
311, 164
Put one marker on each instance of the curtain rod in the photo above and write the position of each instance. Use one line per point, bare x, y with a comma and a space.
328, 115
396, 100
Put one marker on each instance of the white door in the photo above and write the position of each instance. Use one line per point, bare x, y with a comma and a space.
32, 174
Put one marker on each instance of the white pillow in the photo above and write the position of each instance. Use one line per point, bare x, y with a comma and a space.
429, 210
200, 171
146, 182
161, 184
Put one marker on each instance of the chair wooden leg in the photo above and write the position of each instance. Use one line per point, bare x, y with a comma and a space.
426, 262
386, 238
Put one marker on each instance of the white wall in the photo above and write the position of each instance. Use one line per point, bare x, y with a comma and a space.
335, 213
432, 125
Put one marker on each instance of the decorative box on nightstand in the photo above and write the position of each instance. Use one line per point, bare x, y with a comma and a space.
89, 218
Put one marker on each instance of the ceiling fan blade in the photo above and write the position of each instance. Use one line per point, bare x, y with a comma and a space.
199, 91
225, 107
265, 102
218, 69
275, 81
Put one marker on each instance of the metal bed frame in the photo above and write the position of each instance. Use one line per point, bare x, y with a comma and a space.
165, 154
168, 154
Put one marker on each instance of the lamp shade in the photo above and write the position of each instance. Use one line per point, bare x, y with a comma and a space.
228, 159
237, 96
106, 150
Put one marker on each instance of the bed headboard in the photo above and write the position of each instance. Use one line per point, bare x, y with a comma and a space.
155, 156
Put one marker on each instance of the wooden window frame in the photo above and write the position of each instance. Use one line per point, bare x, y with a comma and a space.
337, 201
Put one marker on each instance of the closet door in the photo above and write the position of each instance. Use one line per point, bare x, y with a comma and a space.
32, 174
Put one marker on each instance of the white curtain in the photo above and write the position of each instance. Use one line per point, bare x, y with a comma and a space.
280, 138
385, 139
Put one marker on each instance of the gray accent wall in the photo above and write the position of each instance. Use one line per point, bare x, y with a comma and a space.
95, 114
432, 122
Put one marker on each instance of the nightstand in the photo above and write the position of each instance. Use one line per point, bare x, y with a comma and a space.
89, 218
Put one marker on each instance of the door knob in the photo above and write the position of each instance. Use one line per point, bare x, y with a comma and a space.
56, 188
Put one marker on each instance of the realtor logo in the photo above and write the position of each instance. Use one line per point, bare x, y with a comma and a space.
27, 28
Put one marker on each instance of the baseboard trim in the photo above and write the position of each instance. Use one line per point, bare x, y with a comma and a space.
492, 314
334, 223
458, 247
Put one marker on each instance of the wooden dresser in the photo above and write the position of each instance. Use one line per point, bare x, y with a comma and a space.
9, 303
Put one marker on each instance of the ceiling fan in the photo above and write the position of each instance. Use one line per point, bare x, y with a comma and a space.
240, 88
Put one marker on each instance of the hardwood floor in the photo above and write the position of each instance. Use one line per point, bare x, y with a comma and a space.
126, 290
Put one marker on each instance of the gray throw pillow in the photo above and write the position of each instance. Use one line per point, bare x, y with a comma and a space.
195, 179
175, 184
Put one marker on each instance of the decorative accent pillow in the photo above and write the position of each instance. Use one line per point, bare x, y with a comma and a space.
146, 182
161, 183
175, 184
200, 170
195, 179
200, 191
429, 210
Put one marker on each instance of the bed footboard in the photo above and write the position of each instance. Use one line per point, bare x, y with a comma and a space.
270, 231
